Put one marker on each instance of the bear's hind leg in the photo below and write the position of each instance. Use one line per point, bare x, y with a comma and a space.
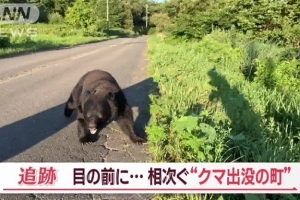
126, 123
127, 128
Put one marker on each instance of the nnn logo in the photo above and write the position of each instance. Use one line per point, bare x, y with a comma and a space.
18, 13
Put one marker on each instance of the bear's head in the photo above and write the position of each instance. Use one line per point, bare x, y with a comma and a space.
97, 111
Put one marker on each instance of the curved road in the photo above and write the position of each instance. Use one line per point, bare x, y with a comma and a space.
34, 88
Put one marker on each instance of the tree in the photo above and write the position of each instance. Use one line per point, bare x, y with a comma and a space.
161, 21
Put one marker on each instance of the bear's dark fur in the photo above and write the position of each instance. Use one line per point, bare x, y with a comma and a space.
99, 100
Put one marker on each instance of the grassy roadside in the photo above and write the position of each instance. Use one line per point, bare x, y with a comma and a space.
49, 36
206, 109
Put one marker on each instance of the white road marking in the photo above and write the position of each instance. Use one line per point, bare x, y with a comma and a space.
84, 54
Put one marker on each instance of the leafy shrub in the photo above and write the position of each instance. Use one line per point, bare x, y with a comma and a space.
55, 18
285, 76
219, 116
274, 21
79, 15
43, 16
256, 52
128, 24
161, 21
4, 42
151, 31
96, 29
20, 40
88, 33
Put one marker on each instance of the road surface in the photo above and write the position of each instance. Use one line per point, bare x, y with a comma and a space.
34, 88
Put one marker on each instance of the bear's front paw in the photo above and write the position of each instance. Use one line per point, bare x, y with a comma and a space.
140, 141
85, 140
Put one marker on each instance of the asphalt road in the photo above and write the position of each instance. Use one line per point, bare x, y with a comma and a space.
34, 89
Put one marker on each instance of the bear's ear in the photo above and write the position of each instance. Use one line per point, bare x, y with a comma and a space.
111, 95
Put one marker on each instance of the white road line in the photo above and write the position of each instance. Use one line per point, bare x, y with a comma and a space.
84, 54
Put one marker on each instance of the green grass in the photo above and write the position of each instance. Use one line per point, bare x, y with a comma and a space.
52, 36
205, 109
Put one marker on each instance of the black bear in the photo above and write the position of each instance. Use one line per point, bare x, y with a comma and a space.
99, 100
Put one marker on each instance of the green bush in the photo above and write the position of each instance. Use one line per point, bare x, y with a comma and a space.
161, 21
43, 16
20, 40
151, 31
275, 21
55, 18
219, 116
4, 42
80, 15
86, 13
96, 29
256, 52
284, 76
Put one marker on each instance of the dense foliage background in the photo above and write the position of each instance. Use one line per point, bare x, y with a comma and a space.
227, 74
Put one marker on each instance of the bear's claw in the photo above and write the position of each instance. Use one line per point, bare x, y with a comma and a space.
85, 141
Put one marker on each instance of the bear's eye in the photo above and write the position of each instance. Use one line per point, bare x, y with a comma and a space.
100, 116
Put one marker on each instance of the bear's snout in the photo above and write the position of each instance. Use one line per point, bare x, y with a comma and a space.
92, 126
92, 130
